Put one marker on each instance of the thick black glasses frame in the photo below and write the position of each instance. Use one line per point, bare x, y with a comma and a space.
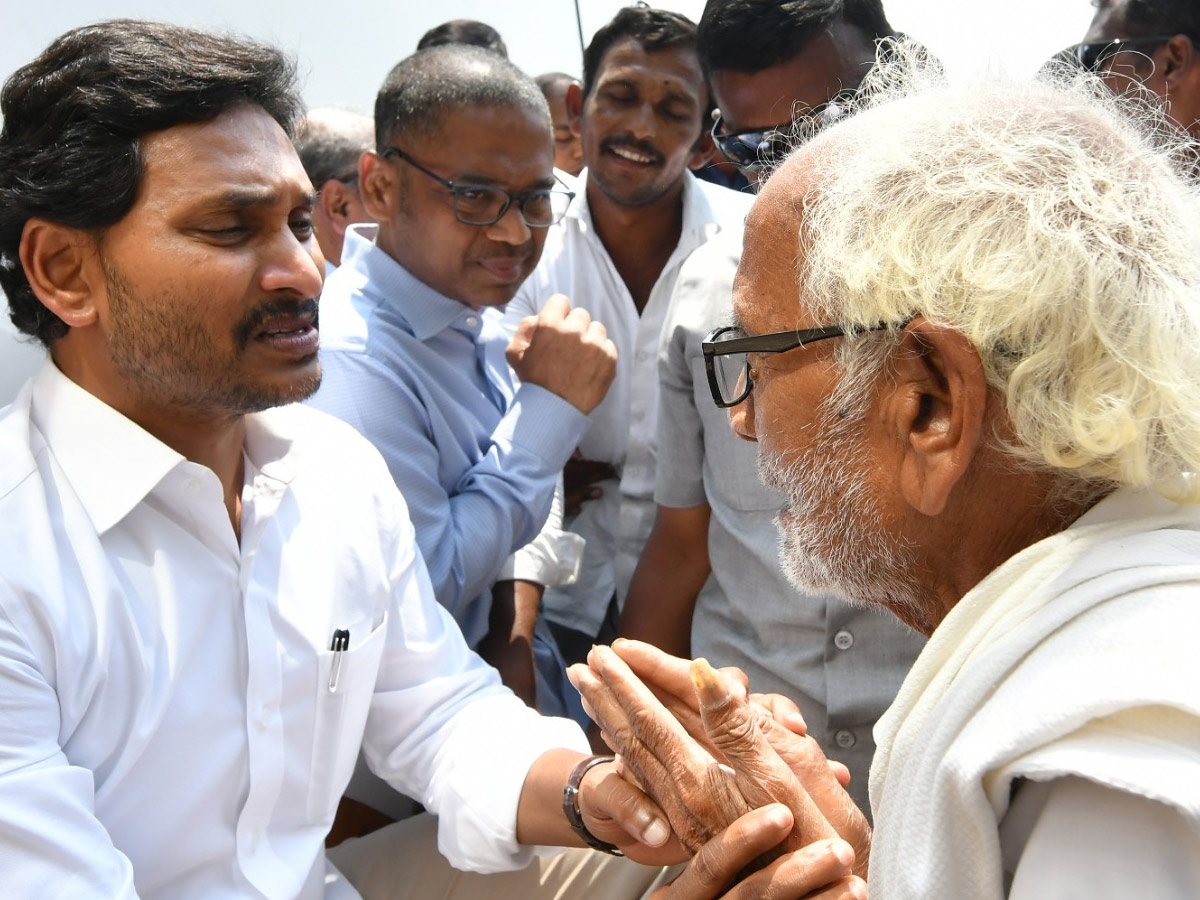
1091, 54
776, 342
459, 189
761, 148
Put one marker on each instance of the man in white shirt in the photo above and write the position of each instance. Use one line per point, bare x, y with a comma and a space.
617, 253
210, 599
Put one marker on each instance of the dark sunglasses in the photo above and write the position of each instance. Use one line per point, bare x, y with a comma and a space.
1092, 55
765, 148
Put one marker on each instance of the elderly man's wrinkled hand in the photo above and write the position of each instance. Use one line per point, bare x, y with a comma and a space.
702, 785
671, 680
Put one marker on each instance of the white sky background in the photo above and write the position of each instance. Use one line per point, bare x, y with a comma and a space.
345, 48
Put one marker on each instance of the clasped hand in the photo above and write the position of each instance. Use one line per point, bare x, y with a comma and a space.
756, 802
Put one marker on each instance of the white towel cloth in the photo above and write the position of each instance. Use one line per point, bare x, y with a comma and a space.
1078, 656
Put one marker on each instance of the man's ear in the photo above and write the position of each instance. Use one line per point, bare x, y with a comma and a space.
704, 152
377, 180
1180, 63
936, 410
335, 199
574, 101
63, 268
1178, 56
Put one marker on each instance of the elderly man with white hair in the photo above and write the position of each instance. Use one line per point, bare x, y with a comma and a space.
968, 346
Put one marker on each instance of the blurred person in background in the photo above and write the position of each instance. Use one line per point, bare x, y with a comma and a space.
1150, 44
329, 142
568, 149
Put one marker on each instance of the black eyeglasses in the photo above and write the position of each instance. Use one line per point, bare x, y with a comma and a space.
1092, 55
478, 204
728, 366
765, 148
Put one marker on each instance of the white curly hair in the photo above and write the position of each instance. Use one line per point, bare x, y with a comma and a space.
1055, 226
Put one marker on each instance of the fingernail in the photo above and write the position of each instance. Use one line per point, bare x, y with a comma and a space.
843, 851
779, 816
656, 833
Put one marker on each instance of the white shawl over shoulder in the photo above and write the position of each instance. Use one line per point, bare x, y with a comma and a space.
1078, 656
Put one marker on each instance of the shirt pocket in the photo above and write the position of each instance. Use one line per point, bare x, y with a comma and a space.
341, 715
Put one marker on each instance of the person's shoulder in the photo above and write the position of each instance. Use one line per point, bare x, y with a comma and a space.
313, 431
17, 453
704, 290
717, 257
346, 310
327, 451
729, 207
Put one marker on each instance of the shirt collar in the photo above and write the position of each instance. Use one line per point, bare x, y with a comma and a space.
426, 311
111, 463
699, 218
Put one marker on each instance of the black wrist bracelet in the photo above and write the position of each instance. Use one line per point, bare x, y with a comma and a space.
571, 805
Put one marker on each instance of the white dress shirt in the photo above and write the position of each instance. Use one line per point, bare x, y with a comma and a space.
622, 432
175, 723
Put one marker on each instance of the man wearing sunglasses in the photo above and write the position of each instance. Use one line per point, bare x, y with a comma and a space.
461, 183
1151, 45
329, 142
709, 582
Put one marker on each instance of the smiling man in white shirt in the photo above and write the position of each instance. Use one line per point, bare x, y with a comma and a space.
210, 597
617, 253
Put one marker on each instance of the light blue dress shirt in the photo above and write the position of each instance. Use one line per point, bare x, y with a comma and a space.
424, 377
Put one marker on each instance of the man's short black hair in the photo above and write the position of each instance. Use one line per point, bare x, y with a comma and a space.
422, 89
1154, 17
752, 35
653, 29
464, 31
74, 118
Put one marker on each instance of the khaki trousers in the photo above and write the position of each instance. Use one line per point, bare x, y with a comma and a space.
401, 862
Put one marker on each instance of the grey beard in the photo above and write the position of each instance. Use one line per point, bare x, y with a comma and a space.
831, 537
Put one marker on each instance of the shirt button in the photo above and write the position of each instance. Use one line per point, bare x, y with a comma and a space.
843, 640
264, 716
845, 739
471, 321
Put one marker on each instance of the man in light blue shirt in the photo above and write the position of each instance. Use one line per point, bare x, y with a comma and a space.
462, 187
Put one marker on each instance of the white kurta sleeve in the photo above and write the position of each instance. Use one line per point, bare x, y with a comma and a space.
1075, 838
443, 728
